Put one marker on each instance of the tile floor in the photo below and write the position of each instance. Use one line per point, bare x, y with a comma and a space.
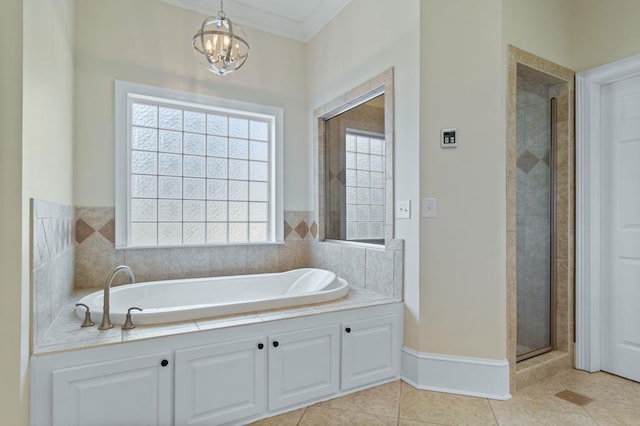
570, 398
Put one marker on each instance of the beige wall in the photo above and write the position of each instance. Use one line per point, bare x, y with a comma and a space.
361, 42
604, 31
542, 27
37, 140
13, 357
462, 251
48, 100
147, 41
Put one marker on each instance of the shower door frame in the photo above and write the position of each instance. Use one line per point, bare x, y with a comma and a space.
553, 136
562, 356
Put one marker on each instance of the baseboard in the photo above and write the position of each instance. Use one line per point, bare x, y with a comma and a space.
484, 378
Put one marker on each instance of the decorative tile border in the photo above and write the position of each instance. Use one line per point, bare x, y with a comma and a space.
96, 255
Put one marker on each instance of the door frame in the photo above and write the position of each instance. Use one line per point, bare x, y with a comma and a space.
588, 187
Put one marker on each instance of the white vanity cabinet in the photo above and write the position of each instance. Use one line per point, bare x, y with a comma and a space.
133, 391
220, 383
370, 350
303, 366
227, 376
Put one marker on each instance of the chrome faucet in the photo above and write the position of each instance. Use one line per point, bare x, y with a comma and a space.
106, 321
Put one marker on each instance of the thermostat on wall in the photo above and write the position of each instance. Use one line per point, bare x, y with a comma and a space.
449, 138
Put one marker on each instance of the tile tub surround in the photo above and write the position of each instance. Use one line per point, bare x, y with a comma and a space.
374, 268
365, 266
65, 333
96, 256
52, 255
374, 274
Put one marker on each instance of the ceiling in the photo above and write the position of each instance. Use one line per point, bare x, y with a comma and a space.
296, 19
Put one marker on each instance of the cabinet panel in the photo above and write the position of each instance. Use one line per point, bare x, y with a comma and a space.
370, 350
303, 365
135, 391
220, 383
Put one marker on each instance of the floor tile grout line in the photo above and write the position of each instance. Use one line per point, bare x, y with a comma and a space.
355, 411
302, 416
495, 418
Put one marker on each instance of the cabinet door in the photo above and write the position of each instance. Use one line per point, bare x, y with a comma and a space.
303, 365
134, 391
220, 383
370, 350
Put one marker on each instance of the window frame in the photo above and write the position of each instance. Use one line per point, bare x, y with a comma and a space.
126, 93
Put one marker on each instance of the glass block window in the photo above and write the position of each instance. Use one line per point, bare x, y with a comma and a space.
197, 174
365, 194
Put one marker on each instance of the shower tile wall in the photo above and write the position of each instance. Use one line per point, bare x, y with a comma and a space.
533, 219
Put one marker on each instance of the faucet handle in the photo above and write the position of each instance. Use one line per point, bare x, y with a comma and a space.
128, 324
87, 316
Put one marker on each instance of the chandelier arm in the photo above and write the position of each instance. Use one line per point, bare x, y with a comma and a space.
231, 37
202, 43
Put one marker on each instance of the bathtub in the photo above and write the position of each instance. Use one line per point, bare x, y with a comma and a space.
189, 299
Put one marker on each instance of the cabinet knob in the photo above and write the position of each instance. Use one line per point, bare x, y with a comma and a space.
164, 363
275, 344
260, 346
348, 329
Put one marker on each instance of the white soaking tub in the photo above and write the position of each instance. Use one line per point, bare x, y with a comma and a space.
189, 299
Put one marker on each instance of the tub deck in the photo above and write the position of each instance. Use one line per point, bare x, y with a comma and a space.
65, 333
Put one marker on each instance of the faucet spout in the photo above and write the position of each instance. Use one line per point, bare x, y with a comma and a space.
106, 323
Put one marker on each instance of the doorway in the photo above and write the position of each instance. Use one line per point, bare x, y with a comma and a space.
608, 262
539, 282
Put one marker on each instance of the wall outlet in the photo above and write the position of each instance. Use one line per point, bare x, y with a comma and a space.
403, 209
429, 207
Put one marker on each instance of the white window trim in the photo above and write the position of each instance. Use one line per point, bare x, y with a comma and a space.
124, 91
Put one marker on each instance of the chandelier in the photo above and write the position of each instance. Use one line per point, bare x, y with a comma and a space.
220, 46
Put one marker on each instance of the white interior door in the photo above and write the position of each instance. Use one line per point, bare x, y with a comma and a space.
620, 228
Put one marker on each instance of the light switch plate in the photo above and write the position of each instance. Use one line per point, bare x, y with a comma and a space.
403, 209
429, 207
449, 138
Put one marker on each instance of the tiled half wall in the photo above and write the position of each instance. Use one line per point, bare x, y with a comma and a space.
96, 256
52, 254
380, 270
74, 249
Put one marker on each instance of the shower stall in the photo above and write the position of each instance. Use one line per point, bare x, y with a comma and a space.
536, 165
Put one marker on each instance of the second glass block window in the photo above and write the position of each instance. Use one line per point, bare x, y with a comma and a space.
365, 194
198, 176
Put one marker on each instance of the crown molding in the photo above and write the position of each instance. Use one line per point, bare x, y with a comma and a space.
262, 20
